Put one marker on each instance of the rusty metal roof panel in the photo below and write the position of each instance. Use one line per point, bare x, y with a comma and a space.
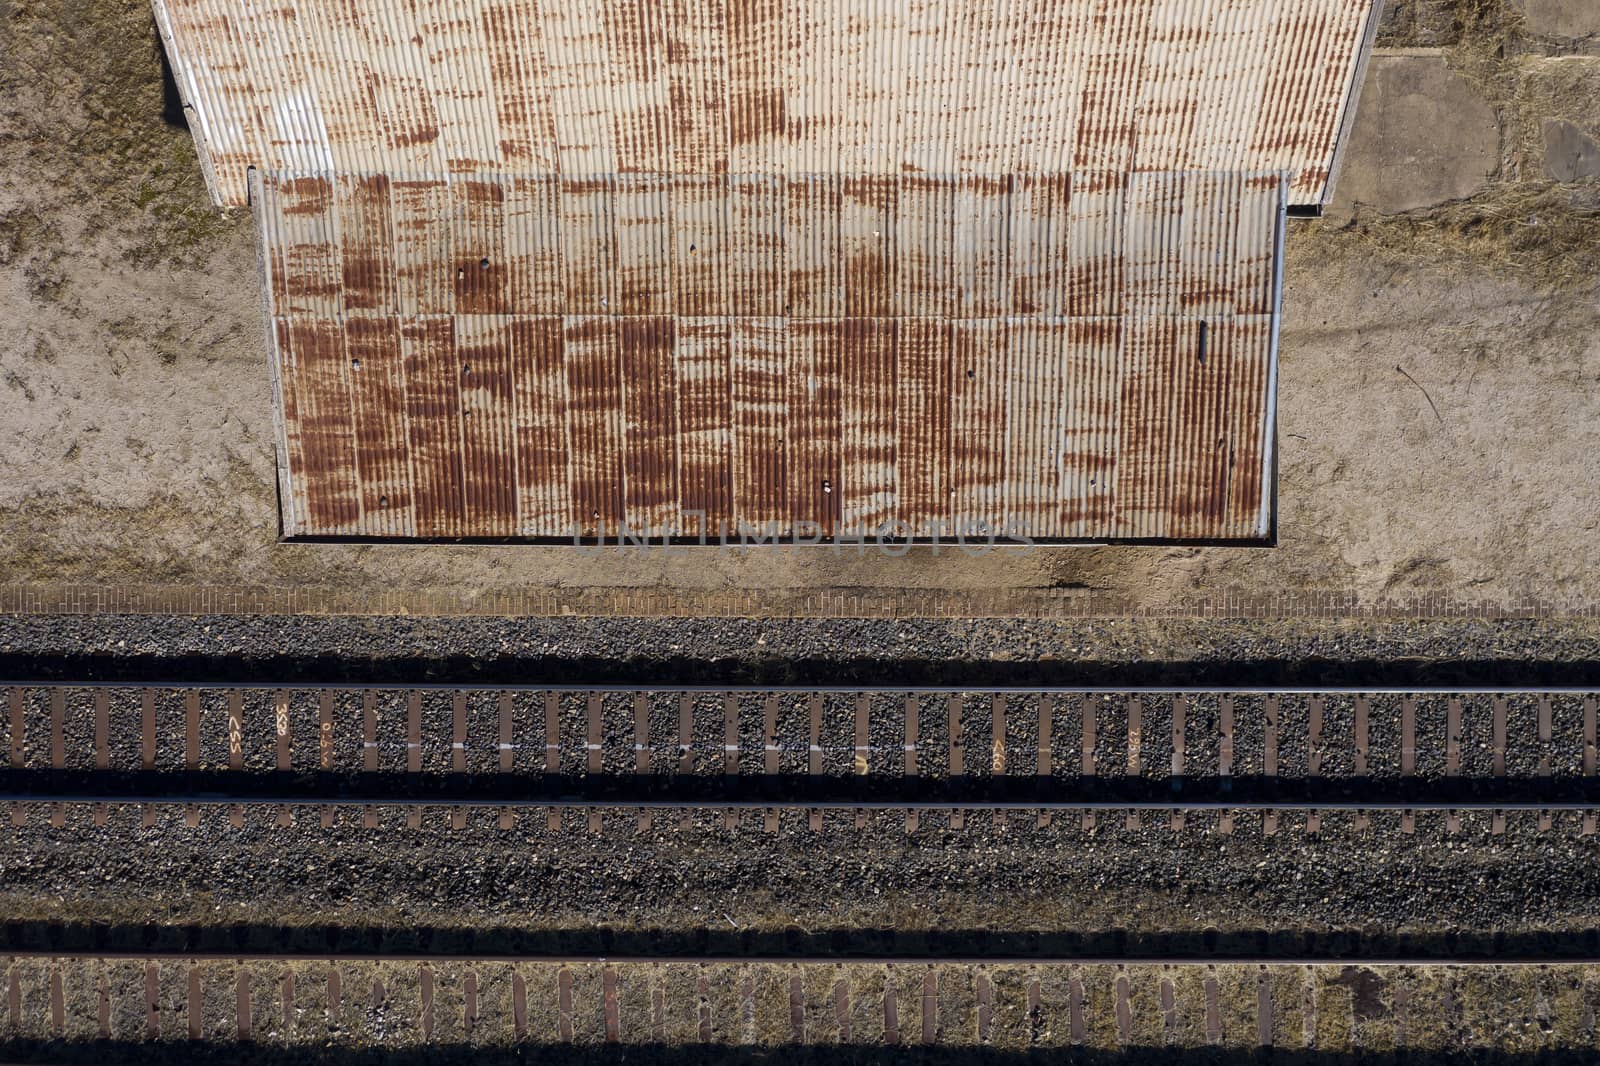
427, 88
540, 414
1080, 245
594, 423
704, 414
432, 416
1061, 357
759, 417
650, 423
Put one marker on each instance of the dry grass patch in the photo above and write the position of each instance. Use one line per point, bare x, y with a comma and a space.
1541, 231
1487, 32
82, 100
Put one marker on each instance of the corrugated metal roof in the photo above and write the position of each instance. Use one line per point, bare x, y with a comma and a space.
430, 88
690, 267
1056, 356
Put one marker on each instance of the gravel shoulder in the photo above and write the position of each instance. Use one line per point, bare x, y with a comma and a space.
995, 886
285, 649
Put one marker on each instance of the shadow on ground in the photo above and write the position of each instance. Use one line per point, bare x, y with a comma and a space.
842, 944
645, 669
116, 1052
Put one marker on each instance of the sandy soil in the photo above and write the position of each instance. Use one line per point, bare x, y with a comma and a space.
1440, 385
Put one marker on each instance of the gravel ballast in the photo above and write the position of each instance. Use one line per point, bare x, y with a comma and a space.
998, 884
285, 649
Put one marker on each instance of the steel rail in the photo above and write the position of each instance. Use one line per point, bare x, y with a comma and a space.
898, 690
1198, 958
259, 800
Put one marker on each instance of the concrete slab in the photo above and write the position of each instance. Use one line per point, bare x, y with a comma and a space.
1562, 18
1569, 153
1422, 136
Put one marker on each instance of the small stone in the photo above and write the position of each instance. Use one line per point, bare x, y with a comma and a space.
1570, 154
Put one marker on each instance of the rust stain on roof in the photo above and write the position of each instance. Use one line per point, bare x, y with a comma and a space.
488, 407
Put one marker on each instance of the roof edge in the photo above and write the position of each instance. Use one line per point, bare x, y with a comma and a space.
1352, 101
183, 79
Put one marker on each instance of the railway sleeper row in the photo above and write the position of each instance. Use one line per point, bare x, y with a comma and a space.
1179, 754
1175, 735
490, 1004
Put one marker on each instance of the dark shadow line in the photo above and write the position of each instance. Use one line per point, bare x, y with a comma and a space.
173, 112
532, 788
844, 943
230, 1053
855, 668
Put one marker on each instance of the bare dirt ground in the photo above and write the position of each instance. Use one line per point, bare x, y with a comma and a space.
1439, 393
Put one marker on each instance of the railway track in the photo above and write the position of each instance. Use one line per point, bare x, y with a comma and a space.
490, 1003
830, 760
1049, 757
